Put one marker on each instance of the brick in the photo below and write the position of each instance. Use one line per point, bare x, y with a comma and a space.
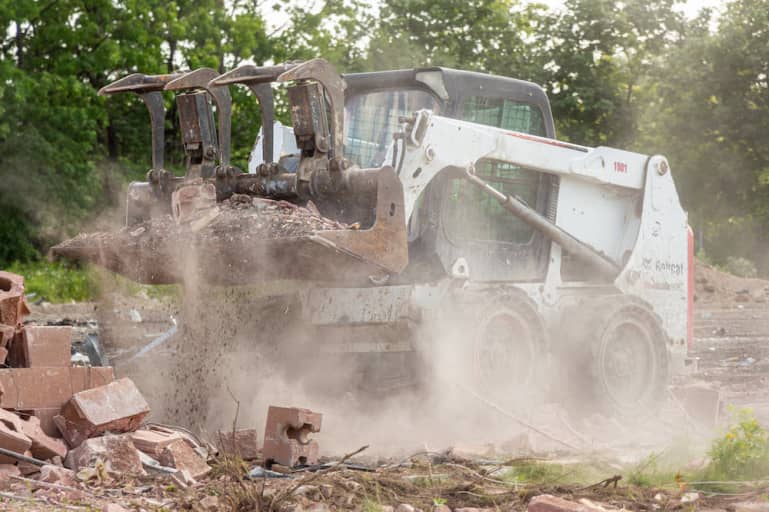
548, 503
152, 442
8, 470
286, 437
12, 436
116, 451
44, 346
701, 402
57, 475
13, 307
7, 333
116, 407
44, 388
242, 443
180, 455
45, 417
43, 446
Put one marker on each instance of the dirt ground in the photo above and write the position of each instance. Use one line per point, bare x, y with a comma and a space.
731, 347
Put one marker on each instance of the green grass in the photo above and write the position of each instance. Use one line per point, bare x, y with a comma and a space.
548, 473
57, 282
65, 282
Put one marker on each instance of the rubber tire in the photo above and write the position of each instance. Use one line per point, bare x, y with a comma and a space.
595, 391
474, 320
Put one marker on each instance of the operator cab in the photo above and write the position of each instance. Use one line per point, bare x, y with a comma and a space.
454, 219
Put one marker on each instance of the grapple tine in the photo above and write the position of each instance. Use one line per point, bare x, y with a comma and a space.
323, 72
258, 80
149, 88
201, 79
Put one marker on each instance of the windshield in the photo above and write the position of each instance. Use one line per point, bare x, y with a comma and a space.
371, 120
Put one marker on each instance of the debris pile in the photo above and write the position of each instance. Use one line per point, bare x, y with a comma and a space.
711, 285
156, 250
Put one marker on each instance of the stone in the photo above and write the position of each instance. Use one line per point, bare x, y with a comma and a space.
752, 506
404, 507
152, 442
180, 455
43, 446
548, 503
241, 443
57, 475
209, 503
113, 507
441, 508
13, 306
117, 407
8, 470
116, 451
12, 436
327, 490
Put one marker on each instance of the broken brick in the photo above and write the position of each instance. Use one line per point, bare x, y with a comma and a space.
152, 442
45, 346
44, 388
13, 307
57, 475
286, 437
182, 456
117, 452
242, 443
11, 436
45, 417
548, 503
43, 445
116, 407
8, 470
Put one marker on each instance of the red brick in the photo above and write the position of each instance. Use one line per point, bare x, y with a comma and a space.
46, 388
116, 407
57, 475
117, 452
12, 436
13, 307
286, 437
152, 442
43, 445
181, 456
242, 443
45, 417
8, 470
548, 503
45, 346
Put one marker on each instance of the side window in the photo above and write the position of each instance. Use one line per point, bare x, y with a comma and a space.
471, 215
371, 119
504, 113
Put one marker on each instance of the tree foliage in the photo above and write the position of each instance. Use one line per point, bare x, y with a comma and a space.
627, 73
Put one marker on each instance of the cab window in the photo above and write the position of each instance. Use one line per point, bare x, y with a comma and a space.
371, 120
473, 216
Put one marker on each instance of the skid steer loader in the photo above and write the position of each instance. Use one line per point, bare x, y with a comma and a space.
461, 217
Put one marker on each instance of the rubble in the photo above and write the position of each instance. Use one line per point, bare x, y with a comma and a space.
287, 436
13, 306
549, 503
116, 407
57, 475
180, 455
43, 445
12, 436
242, 443
116, 452
153, 441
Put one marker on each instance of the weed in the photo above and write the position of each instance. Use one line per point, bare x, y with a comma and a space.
742, 452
